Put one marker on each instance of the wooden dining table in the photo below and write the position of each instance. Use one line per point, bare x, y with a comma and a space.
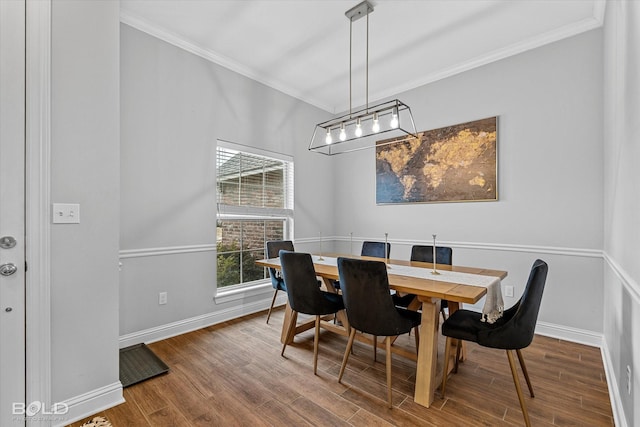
429, 294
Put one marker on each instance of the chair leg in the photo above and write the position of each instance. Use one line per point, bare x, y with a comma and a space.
316, 338
447, 355
444, 315
375, 348
388, 363
457, 361
352, 335
516, 381
524, 371
292, 325
417, 334
273, 301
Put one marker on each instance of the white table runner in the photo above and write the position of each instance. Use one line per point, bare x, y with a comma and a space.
493, 305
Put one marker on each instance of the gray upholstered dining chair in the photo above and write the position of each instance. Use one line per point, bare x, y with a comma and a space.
370, 308
372, 249
305, 296
444, 255
513, 331
272, 249
376, 249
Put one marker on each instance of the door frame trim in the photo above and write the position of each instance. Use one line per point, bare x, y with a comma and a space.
37, 202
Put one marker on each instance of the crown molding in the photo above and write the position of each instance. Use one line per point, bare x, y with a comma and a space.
567, 31
595, 21
182, 43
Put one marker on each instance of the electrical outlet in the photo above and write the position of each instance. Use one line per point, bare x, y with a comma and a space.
508, 291
628, 379
162, 298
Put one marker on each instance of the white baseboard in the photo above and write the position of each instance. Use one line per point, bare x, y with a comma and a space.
567, 333
595, 340
173, 329
198, 322
91, 403
109, 396
614, 391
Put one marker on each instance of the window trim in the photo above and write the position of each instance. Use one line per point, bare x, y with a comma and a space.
254, 150
250, 213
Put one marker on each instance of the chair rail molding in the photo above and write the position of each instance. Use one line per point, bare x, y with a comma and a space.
509, 247
170, 250
627, 281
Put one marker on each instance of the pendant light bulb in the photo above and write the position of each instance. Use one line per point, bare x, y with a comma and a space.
358, 128
394, 119
376, 123
343, 133
328, 139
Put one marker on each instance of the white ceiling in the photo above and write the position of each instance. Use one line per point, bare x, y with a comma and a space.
301, 47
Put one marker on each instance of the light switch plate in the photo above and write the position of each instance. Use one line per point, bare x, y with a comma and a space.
66, 213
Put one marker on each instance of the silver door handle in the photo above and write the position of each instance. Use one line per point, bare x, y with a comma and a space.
8, 269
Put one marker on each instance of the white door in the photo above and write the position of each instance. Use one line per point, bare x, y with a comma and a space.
12, 212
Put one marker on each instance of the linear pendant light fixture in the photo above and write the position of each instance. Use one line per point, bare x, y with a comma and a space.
360, 130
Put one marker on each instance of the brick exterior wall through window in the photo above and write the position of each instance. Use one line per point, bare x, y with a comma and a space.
241, 241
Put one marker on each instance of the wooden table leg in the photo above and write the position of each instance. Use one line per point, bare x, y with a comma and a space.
288, 313
427, 353
342, 314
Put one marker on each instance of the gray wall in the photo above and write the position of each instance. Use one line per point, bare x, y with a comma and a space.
558, 199
622, 204
175, 105
85, 163
549, 103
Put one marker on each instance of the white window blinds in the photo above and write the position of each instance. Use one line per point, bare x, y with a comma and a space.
252, 184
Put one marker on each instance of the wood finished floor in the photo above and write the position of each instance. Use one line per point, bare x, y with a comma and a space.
232, 374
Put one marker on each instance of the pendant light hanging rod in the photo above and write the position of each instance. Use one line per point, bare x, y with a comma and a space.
350, 62
355, 13
367, 67
360, 129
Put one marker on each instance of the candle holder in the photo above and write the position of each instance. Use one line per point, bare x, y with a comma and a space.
434, 256
320, 257
351, 243
386, 250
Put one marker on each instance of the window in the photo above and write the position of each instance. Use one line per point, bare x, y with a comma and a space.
255, 203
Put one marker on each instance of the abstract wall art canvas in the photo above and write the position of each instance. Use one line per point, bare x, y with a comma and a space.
450, 164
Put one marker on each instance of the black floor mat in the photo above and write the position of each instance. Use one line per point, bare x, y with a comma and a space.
139, 363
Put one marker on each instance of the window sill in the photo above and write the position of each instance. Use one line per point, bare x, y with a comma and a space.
225, 296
